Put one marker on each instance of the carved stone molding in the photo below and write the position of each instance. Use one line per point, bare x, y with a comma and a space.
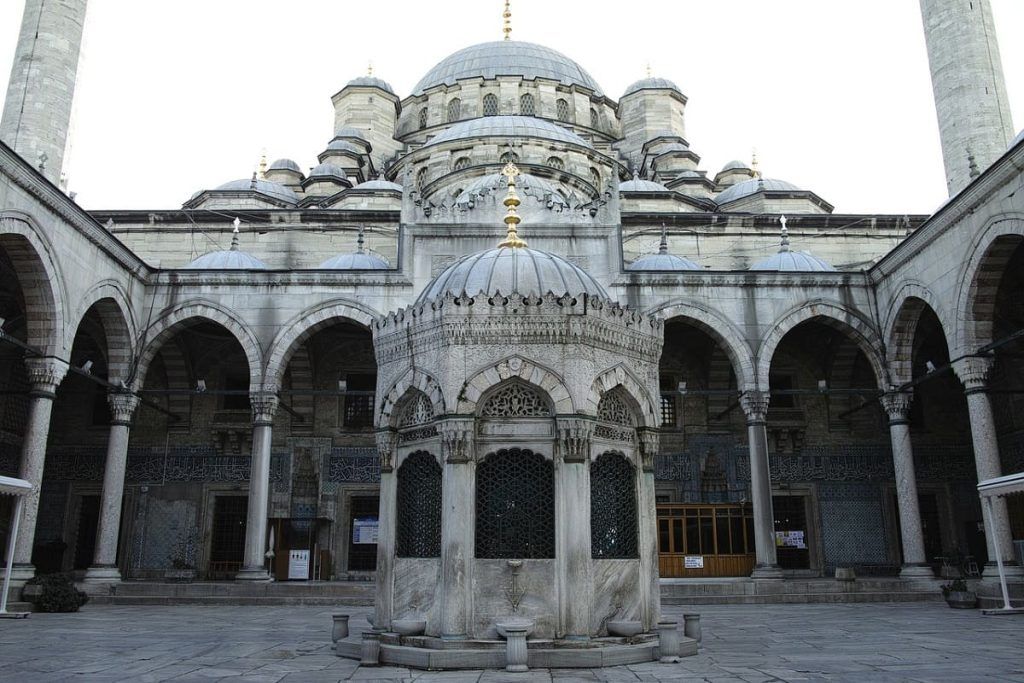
973, 372
263, 405
45, 375
574, 438
650, 444
897, 405
457, 440
755, 406
387, 439
122, 406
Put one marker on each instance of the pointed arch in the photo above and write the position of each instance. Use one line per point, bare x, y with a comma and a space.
40, 280
412, 382
111, 304
720, 329
901, 325
622, 377
545, 379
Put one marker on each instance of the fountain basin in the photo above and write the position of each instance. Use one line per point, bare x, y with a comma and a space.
409, 627
515, 624
625, 628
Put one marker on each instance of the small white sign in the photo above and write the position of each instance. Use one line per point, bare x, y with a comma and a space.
364, 531
693, 562
298, 565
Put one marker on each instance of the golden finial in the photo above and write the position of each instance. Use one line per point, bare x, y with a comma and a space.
511, 172
508, 20
263, 165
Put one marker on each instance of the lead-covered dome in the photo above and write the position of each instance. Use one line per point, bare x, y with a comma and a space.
793, 261
512, 270
753, 186
652, 84
227, 259
370, 82
506, 58
265, 187
509, 127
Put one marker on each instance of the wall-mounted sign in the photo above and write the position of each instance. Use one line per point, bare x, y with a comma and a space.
364, 531
298, 565
790, 539
693, 562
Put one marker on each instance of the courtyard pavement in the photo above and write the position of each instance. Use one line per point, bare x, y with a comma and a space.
863, 642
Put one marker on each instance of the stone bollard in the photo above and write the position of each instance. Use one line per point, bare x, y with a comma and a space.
515, 650
371, 649
339, 631
691, 626
668, 641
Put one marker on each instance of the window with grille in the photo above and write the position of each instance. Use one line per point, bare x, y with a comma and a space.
562, 110
510, 157
490, 105
595, 118
527, 106
359, 391
613, 525
615, 418
668, 411
516, 399
595, 177
461, 163
454, 110
421, 178
515, 506
556, 163
423, 118
419, 507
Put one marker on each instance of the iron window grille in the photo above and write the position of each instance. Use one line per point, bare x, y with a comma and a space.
419, 507
613, 525
515, 506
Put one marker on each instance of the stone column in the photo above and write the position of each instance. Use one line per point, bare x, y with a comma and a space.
647, 529
973, 373
44, 376
264, 405
755, 405
104, 565
458, 497
387, 440
915, 563
572, 528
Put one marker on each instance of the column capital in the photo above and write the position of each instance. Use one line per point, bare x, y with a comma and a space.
45, 375
456, 439
263, 405
973, 372
122, 406
387, 439
755, 406
897, 405
650, 444
574, 438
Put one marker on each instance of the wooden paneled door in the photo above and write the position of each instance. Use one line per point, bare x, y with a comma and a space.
696, 540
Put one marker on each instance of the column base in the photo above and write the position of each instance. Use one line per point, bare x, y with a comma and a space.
766, 572
102, 574
916, 571
20, 573
254, 574
1012, 570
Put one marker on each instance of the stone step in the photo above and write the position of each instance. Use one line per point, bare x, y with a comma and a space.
796, 591
268, 601
231, 593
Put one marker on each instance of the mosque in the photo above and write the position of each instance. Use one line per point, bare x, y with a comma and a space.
509, 317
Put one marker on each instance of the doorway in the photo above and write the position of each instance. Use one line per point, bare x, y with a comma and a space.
85, 539
227, 542
362, 533
791, 538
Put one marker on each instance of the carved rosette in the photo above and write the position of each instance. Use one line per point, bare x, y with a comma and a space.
897, 406
457, 440
122, 407
387, 439
574, 439
755, 406
263, 405
44, 376
650, 444
973, 373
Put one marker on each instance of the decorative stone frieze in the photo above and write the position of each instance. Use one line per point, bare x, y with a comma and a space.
574, 438
755, 406
897, 405
973, 373
45, 375
387, 439
457, 440
122, 406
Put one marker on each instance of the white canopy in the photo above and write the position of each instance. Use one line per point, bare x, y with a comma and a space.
9, 486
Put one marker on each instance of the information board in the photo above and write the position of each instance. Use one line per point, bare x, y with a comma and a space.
298, 565
693, 562
364, 531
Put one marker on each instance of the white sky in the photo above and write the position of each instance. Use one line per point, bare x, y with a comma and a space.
178, 96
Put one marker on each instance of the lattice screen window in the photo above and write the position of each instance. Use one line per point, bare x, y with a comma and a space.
419, 507
613, 525
668, 411
416, 411
422, 176
595, 178
527, 107
562, 110
556, 163
490, 105
423, 118
454, 110
516, 399
615, 417
515, 506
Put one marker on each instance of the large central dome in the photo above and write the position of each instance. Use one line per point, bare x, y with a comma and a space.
507, 58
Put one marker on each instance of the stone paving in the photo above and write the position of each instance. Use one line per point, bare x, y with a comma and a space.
862, 642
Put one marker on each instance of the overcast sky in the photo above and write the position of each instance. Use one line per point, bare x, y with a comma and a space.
178, 96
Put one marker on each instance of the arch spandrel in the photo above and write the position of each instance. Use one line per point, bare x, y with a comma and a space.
111, 304
901, 325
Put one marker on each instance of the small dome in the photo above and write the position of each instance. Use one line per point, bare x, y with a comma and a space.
506, 58
227, 259
530, 185
379, 185
753, 186
637, 184
662, 260
285, 165
736, 165
329, 171
356, 261
508, 270
351, 133
509, 126
265, 187
370, 82
652, 84
342, 145
793, 261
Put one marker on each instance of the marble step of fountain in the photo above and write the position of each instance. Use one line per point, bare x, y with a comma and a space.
355, 593
746, 591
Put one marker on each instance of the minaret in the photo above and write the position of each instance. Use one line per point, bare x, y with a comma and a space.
970, 90
37, 111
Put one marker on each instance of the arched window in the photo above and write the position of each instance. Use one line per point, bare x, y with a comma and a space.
461, 163
615, 419
509, 156
613, 526
516, 399
595, 118
595, 177
419, 507
490, 105
454, 110
527, 106
515, 505
421, 178
556, 163
423, 118
562, 110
